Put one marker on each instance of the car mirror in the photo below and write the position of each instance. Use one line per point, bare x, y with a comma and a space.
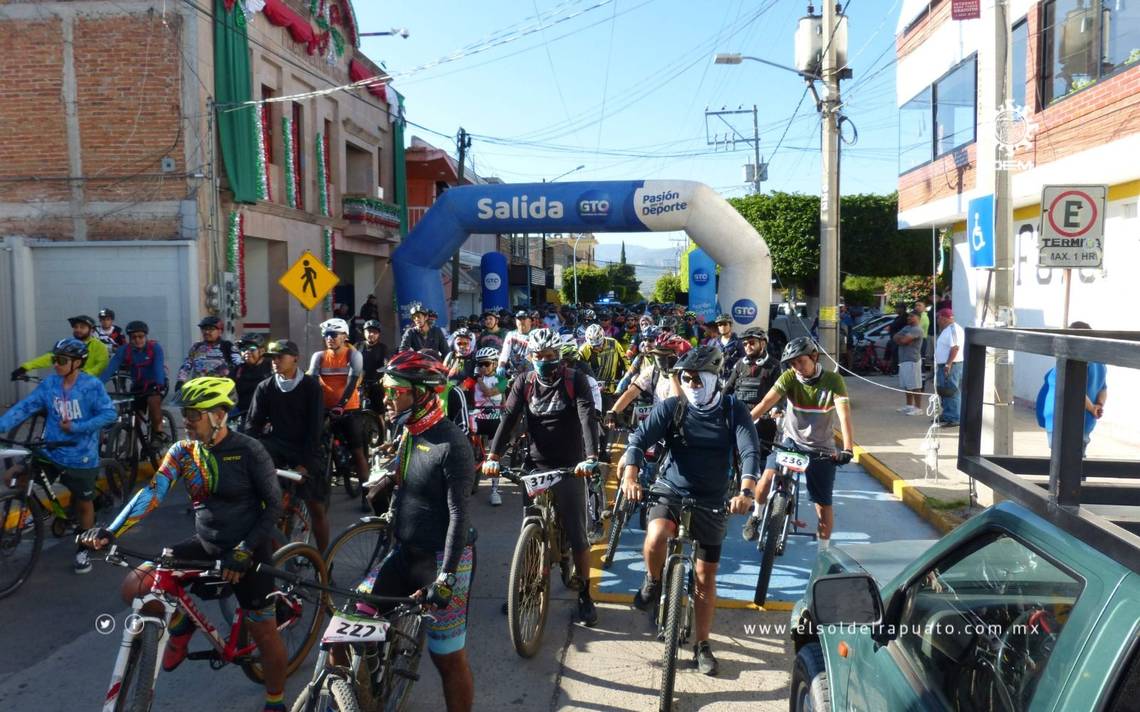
846, 599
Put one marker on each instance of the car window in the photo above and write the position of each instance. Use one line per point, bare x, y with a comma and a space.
980, 627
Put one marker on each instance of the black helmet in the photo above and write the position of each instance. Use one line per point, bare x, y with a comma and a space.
250, 341
106, 313
82, 319
72, 348
754, 332
372, 325
708, 359
210, 322
134, 327
798, 347
723, 319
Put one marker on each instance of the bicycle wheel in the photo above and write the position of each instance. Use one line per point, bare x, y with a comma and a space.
528, 591
119, 485
300, 610
617, 523
21, 539
117, 446
773, 529
354, 554
348, 477
675, 589
297, 524
343, 696
407, 638
136, 689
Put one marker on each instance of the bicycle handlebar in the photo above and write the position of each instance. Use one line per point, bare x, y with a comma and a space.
115, 553
355, 595
515, 474
687, 502
810, 452
37, 443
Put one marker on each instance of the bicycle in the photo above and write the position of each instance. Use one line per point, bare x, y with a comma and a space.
296, 524
865, 359
33, 427
780, 518
541, 542
128, 440
675, 609
32, 500
144, 636
624, 509
339, 463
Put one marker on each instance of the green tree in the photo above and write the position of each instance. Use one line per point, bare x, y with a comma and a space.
624, 282
909, 288
667, 288
593, 282
862, 291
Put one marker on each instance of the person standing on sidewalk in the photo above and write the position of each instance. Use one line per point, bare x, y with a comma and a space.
909, 341
1096, 393
948, 357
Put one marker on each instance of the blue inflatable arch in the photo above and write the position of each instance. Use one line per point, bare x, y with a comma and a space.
612, 206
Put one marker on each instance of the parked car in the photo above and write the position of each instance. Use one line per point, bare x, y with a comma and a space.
785, 324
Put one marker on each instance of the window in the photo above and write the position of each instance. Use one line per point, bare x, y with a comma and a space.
1019, 48
915, 131
267, 122
299, 153
955, 96
1084, 41
980, 628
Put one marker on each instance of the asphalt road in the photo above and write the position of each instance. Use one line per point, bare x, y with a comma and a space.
53, 657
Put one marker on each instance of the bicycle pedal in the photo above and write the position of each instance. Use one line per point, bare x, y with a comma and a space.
407, 675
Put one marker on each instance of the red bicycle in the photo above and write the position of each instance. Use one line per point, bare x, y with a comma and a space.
300, 610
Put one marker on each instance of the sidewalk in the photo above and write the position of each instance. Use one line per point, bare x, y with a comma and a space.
892, 447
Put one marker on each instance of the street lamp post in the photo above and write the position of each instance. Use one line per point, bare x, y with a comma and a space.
562, 175
580, 235
395, 31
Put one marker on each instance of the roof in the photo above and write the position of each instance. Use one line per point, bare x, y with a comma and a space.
427, 162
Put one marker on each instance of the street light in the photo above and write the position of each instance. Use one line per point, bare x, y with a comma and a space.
737, 58
398, 31
563, 175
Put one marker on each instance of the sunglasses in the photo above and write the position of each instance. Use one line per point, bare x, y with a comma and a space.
61, 360
394, 392
691, 380
331, 334
192, 416
487, 364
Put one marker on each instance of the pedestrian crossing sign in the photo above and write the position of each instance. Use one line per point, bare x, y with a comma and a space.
309, 280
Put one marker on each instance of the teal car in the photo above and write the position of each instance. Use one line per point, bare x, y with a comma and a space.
1006, 613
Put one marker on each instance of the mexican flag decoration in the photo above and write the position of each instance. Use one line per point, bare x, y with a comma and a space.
322, 176
262, 154
290, 160
235, 252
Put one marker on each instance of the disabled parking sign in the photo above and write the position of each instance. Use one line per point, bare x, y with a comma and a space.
980, 231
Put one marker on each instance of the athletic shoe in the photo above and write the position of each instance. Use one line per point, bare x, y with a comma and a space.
914, 410
82, 562
496, 498
647, 596
175, 651
751, 529
587, 611
703, 657
947, 423
905, 410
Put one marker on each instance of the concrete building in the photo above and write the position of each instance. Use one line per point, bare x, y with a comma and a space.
117, 186
1075, 119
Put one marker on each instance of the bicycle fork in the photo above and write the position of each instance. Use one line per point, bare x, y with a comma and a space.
132, 630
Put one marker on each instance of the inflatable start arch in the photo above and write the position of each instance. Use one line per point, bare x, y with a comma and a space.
612, 206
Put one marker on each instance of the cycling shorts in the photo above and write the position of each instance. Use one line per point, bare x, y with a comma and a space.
252, 590
706, 528
406, 570
80, 481
350, 429
285, 456
820, 475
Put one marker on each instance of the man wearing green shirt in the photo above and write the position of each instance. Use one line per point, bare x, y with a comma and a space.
82, 328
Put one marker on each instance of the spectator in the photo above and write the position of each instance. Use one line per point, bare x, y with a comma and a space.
909, 341
369, 310
896, 326
948, 357
924, 324
944, 303
1096, 392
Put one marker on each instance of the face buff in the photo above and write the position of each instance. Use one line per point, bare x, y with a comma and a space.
705, 397
814, 377
425, 410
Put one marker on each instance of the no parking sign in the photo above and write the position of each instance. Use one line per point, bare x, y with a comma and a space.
1072, 226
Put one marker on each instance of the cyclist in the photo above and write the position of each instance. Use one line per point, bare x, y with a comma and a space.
292, 404
339, 369
558, 408
493, 335
432, 557
233, 486
254, 369
111, 336
815, 397
374, 354
421, 334
460, 360
702, 430
212, 356
489, 389
513, 356
82, 329
605, 320
607, 360
77, 408
752, 378
727, 341
144, 360
656, 378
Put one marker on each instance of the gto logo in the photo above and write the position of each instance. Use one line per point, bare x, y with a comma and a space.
700, 277
594, 206
492, 281
744, 311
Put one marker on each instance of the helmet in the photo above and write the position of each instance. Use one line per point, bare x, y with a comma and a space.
416, 308
708, 359
462, 333
72, 348
542, 339
487, 353
106, 313
670, 345
487, 313
250, 340
207, 392
82, 319
522, 314
569, 351
798, 347
210, 322
669, 322
595, 335
134, 327
589, 315
372, 325
417, 367
690, 314
432, 314
339, 326
603, 315
754, 332
723, 319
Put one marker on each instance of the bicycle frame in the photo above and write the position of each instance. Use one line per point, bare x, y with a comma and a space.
676, 549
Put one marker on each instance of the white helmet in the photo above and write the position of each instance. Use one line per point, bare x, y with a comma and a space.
340, 326
595, 335
542, 339
487, 353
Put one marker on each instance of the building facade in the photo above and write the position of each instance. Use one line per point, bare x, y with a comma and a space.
1073, 117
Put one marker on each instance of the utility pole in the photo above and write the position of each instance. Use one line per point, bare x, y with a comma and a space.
757, 168
462, 143
829, 192
1003, 239
755, 173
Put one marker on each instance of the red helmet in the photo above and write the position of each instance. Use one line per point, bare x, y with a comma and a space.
419, 368
669, 344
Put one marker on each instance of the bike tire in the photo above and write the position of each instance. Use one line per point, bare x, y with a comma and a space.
117, 446
528, 591
674, 595
297, 633
15, 526
617, 523
343, 696
297, 522
773, 528
119, 483
136, 689
353, 555
402, 661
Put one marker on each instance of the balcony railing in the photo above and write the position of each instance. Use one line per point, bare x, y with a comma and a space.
362, 209
415, 214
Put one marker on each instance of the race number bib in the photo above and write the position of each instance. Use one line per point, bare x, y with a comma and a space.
641, 412
539, 482
484, 414
353, 629
793, 461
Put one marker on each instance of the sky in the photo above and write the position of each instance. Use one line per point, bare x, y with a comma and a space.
621, 86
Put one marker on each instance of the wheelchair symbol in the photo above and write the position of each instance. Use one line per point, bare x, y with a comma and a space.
978, 238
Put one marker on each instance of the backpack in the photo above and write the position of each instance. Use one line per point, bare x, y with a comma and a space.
676, 426
567, 383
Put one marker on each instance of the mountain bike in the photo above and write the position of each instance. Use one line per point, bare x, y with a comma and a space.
32, 501
300, 610
623, 509
296, 524
675, 609
780, 516
541, 543
339, 463
128, 440
31, 428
